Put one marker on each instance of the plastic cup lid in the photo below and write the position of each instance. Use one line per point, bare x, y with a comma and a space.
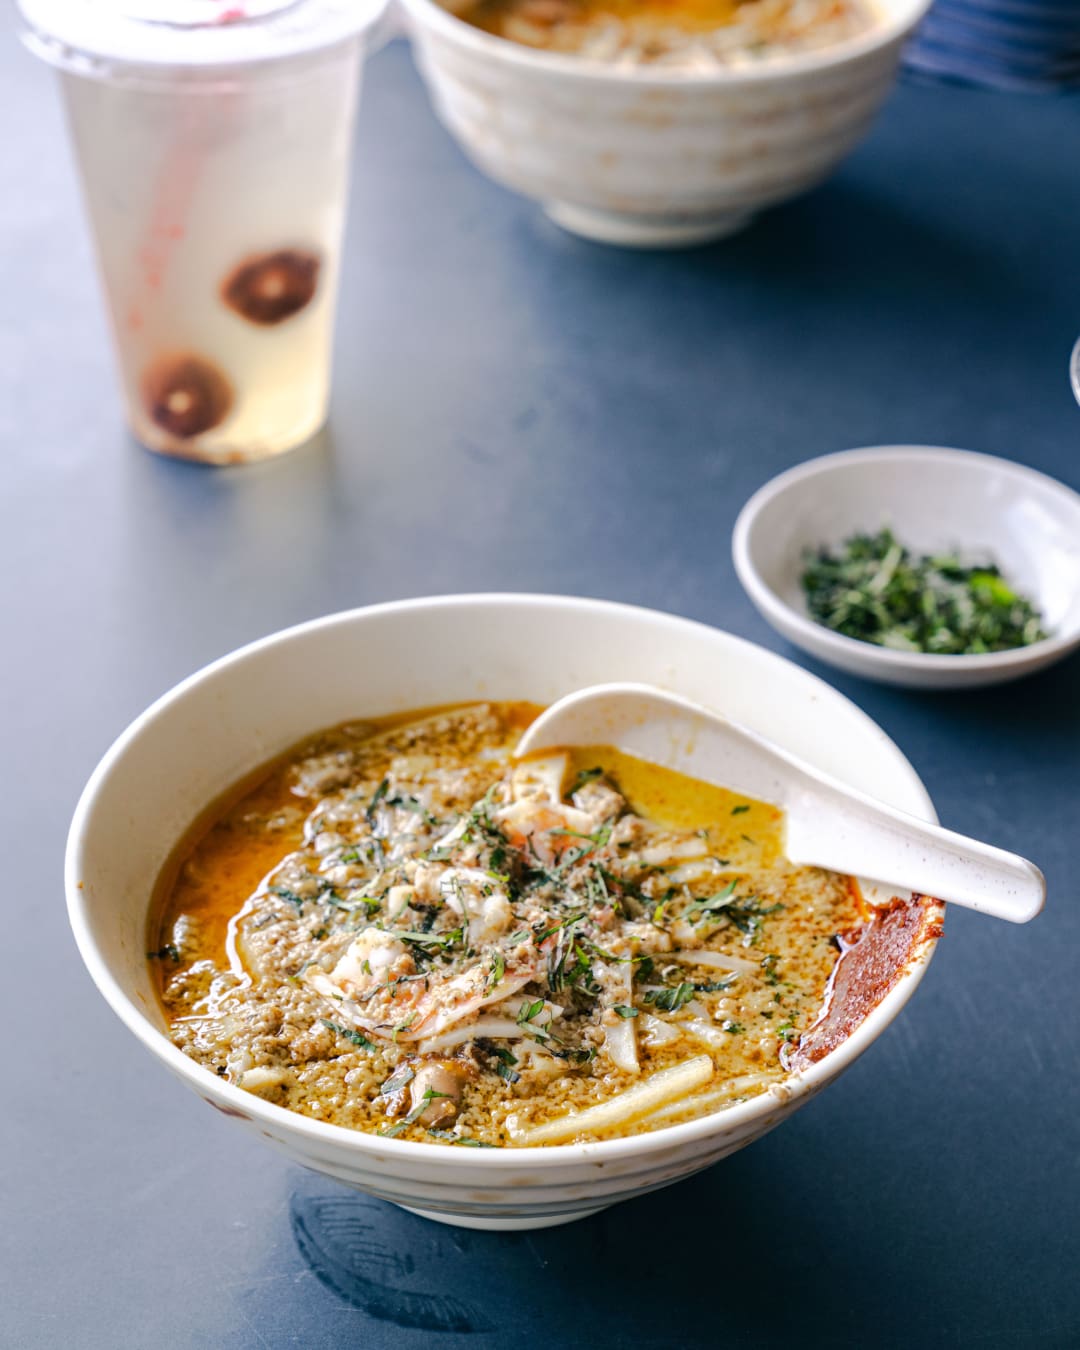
185, 33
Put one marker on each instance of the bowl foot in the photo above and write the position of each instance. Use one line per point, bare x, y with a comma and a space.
630, 231
518, 1224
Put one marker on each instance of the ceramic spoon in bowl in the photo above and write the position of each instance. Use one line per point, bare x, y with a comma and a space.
829, 824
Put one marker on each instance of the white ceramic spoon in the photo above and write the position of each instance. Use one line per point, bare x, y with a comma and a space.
828, 824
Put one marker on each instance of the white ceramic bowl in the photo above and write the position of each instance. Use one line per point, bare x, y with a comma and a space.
933, 499
644, 158
227, 719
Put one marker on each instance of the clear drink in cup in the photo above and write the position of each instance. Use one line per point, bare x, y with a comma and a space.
214, 147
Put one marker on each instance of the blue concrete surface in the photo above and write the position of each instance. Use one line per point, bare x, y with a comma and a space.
516, 409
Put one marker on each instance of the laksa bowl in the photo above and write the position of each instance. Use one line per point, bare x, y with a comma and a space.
216, 728
649, 156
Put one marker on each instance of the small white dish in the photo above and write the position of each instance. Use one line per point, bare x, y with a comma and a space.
227, 719
933, 499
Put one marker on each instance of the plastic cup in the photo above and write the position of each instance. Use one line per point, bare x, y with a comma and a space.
214, 153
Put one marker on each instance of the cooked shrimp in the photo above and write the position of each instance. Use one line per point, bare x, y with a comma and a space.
375, 987
544, 831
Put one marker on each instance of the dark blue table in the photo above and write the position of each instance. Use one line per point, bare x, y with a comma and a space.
516, 409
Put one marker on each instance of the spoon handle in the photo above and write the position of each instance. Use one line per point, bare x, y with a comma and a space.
828, 823
844, 831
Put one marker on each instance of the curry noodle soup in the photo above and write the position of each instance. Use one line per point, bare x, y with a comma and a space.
684, 34
398, 929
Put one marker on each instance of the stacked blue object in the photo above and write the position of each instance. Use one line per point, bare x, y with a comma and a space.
1029, 45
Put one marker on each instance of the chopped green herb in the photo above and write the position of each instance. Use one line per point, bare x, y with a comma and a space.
528, 1011
712, 904
567, 923
738, 810
463, 1139
623, 1011
576, 974
284, 893
438, 854
592, 841
347, 1032
422, 1105
324, 890
747, 916
585, 776
627, 887
505, 1067
596, 890
380, 793
170, 952
876, 590
408, 803
448, 939
400, 1078
498, 970
671, 1000
581, 1056
734, 1027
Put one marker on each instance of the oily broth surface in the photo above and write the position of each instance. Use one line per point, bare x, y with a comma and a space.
257, 892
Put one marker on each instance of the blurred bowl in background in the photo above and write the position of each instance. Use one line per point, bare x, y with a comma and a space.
934, 500
647, 158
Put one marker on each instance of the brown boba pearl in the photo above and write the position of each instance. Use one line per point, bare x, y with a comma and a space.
273, 286
186, 395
